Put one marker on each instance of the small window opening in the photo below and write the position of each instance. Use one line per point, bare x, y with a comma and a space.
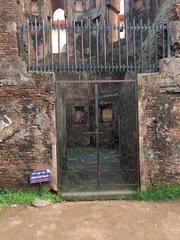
106, 113
79, 6
34, 7
79, 115
59, 19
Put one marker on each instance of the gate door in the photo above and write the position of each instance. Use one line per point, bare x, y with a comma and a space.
98, 137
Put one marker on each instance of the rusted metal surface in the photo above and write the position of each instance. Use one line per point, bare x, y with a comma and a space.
97, 47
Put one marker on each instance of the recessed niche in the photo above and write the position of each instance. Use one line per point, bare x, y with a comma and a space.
79, 6
79, 115
34, 7
106, 113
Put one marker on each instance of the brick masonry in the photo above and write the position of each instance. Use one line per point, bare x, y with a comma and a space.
27, 104
159, 122
27, 130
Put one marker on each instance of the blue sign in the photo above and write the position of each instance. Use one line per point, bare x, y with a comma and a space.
40, 176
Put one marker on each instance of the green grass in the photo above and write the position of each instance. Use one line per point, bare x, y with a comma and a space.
163, 193
8, 197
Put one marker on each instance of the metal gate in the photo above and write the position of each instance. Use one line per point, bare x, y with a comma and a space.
98, 135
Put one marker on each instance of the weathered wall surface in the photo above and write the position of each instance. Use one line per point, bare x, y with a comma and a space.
160, 9
27, 129
10, 65
159, 121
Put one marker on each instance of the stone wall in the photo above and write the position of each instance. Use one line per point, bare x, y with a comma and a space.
160, 9
159, 122
41, 9
27, 129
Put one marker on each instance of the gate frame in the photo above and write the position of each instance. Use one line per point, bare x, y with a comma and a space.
60, 134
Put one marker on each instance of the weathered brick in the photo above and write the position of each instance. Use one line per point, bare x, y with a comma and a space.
159, 121
25, 129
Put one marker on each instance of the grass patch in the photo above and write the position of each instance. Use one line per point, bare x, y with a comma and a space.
163, 193
8, 197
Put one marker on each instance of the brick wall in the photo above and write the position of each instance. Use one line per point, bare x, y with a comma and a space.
9, 60
27, 129
159, 121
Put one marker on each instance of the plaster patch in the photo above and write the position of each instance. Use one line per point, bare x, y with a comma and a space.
5, 122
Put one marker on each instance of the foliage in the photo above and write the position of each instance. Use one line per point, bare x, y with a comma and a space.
163, 193
8, 197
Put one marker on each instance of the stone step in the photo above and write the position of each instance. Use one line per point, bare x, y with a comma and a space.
98, 195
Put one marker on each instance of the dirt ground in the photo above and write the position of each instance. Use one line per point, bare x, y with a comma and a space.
111, 220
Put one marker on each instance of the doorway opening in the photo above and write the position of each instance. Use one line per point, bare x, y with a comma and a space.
98, 135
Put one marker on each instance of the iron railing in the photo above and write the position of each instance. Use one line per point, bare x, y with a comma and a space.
94, 46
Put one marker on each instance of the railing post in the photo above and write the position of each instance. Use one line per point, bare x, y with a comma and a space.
21, 41
97, 43
156, 46
82, 43
119, 46
36, 45
51, 43
127, 45
112, 49
104, 36
142, 57
149, 51
59, 46
67, 43
74, 37
28, 44
134, 43
44, 42
168, 42
90, 53
163, 39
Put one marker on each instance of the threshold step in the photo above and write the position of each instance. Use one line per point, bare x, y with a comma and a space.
98, 195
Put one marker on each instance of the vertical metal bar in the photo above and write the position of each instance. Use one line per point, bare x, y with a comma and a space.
52, 60
119, 134
104, 33
67, 43
59, 46
44, 43
97, 134
156, 51
119, 45
112, 49
82, 43
97, 43
22, 43
90, 53
28, 44
127, 45
168, 42
20, 37
134, 43
136, 93
74, 37
163, 38
36, 45
149, 50
142, 58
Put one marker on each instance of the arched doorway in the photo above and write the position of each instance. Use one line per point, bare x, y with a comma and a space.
56, 4
59, 42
